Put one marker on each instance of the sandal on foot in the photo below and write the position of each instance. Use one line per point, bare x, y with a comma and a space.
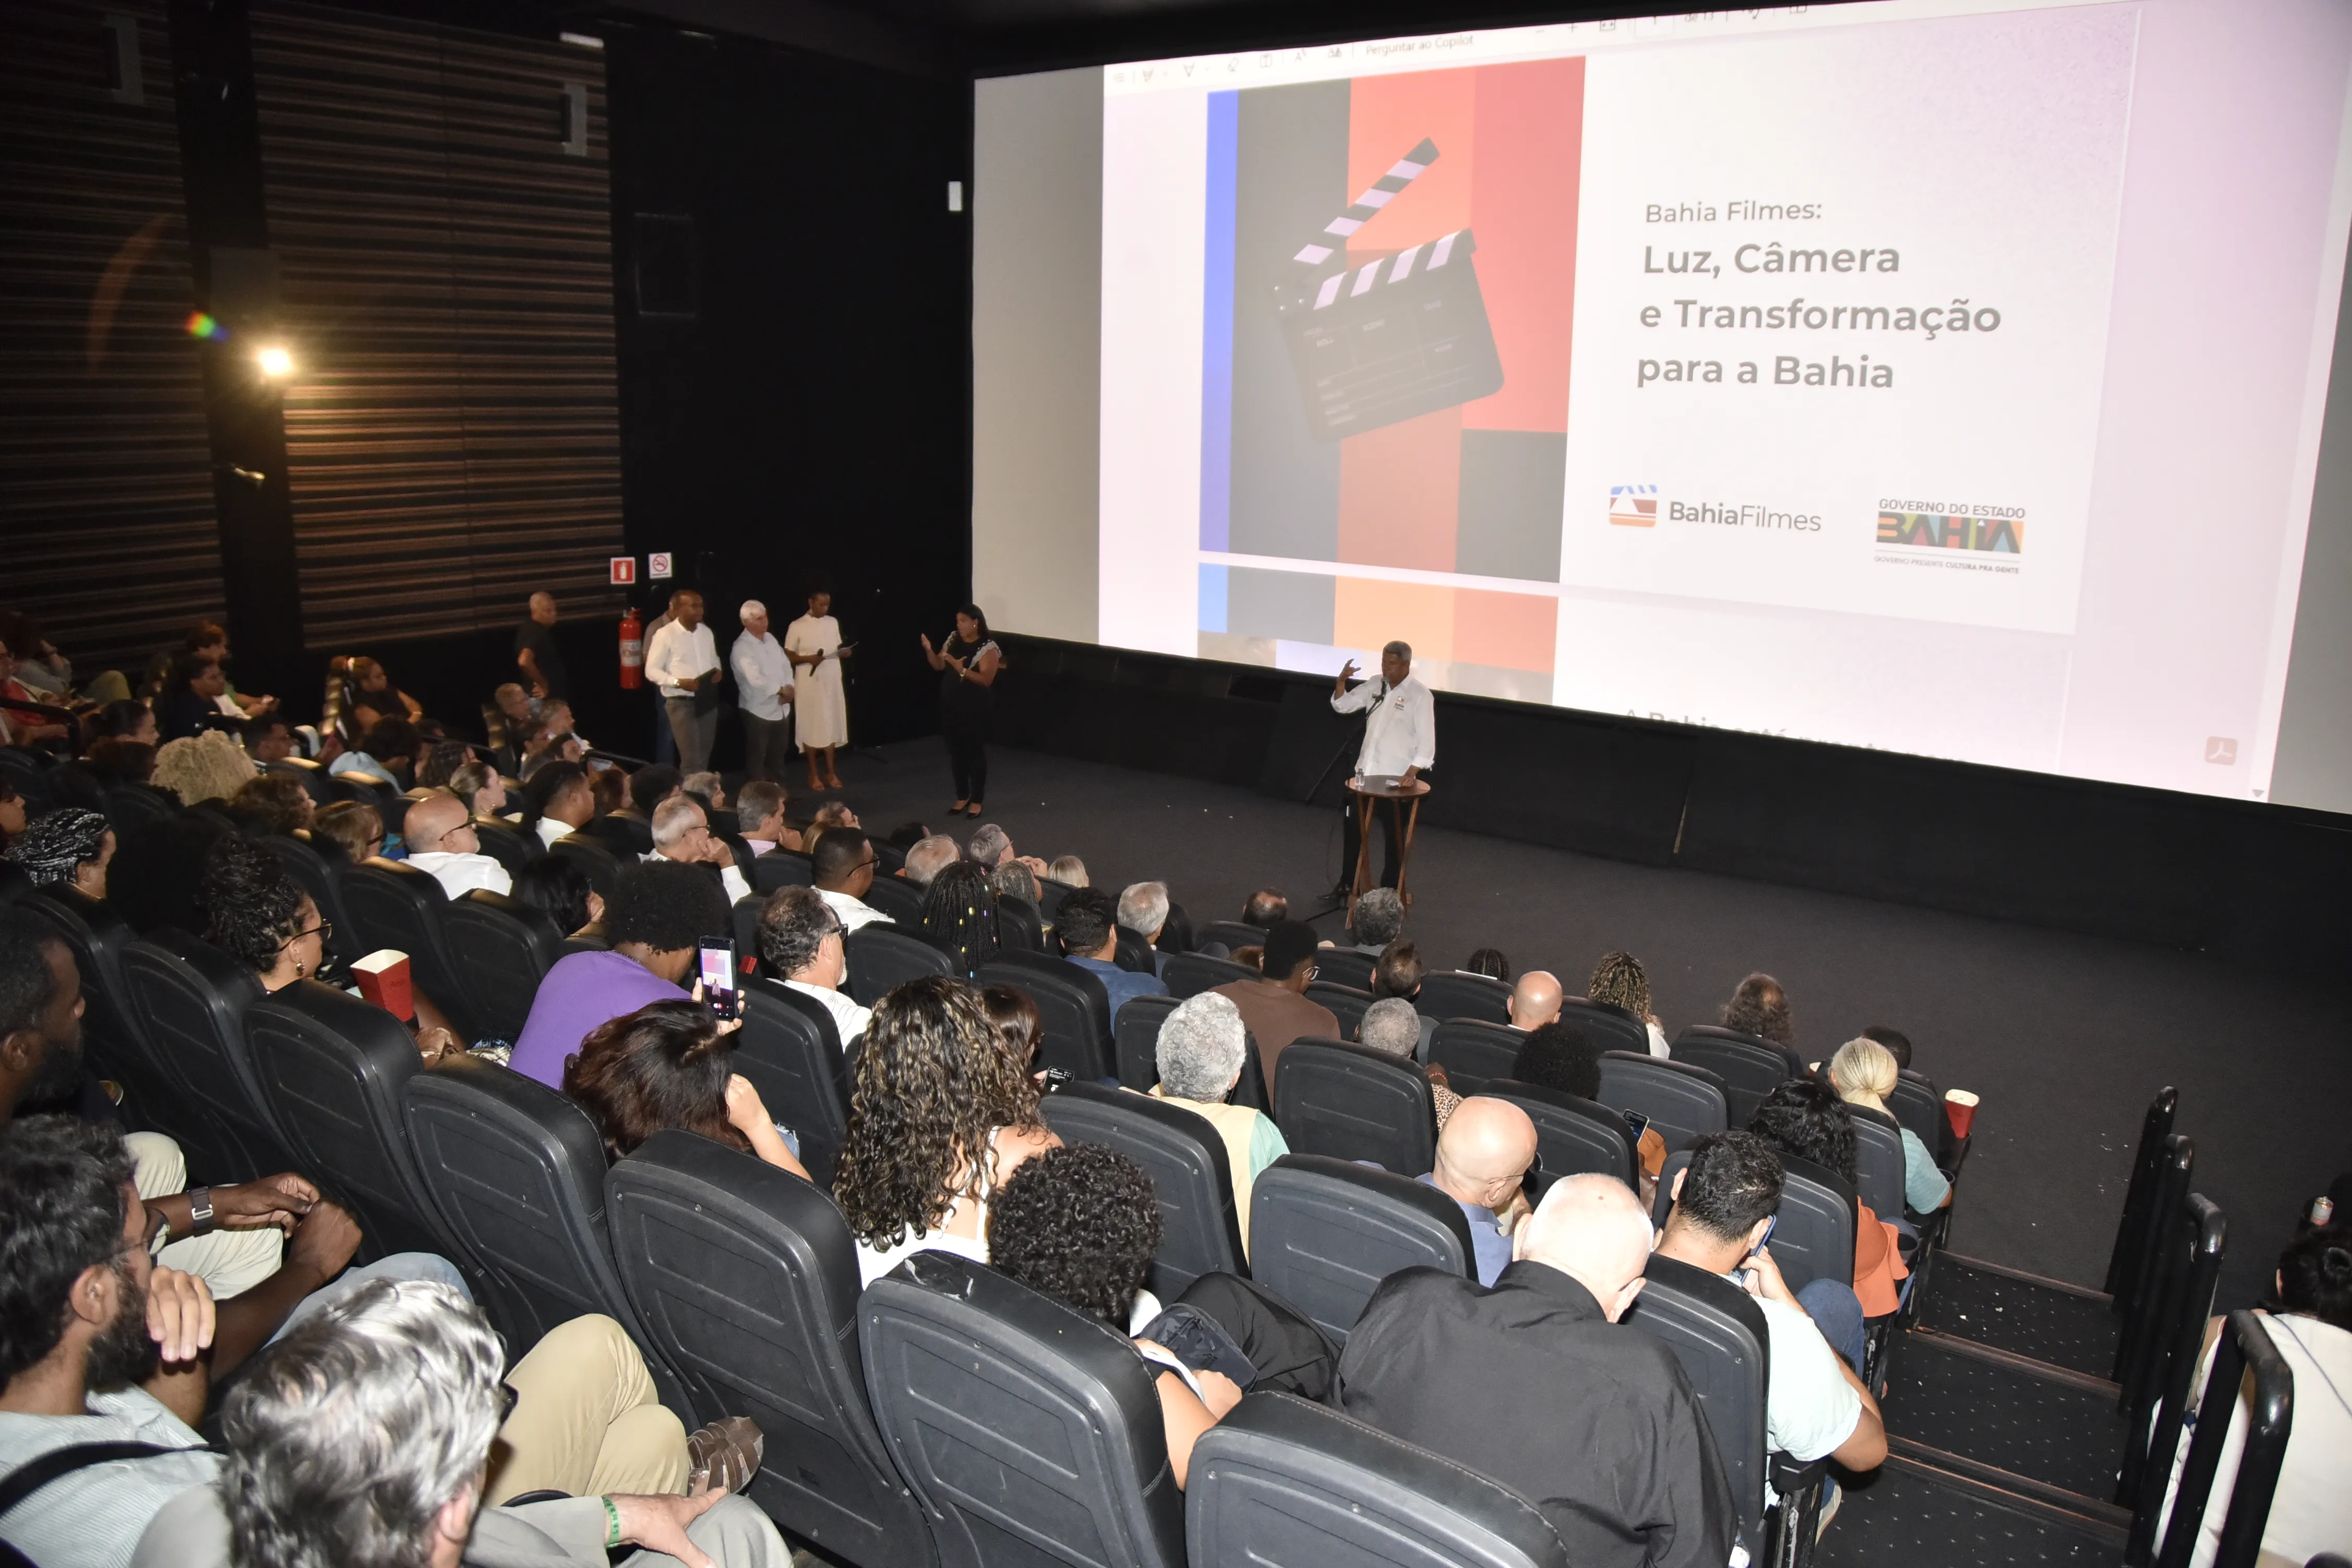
726, 1453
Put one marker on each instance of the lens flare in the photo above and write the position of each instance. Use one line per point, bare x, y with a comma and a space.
275, 362
203, 326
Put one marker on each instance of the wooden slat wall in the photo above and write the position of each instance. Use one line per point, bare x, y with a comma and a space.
107, 531
453, 435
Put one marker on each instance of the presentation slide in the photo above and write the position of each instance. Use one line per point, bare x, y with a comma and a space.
1941, 376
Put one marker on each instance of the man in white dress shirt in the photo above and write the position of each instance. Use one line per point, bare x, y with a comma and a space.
441, 839
801, 938
1400, 742
763, 685
682, 661
844, 862
681, 833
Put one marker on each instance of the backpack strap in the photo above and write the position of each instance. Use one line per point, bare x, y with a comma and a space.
39, 1472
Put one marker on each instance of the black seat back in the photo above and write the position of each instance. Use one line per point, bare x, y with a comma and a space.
1345, 966
781, 868
511, 846
1235, 934
1878, 1161
1135, 953
1050, 895
743, 925
129, 807
312, 775
1353, 1103
745, 1277
1813, 1236
192, 999
1605, 1027
1284, 1482
1450, 994
315, 875
2125, 1264
1199, 1211
1190, 973
501, 950
898, 899
627, 838
1717, 1332
1573, 1136
1324, 1233
1072, 1006
1029, 1432
1347, 1004
1136, 1039
593, 856
1683, 1102
1919, 1105
1019, 927
880, 957
790, 1048
1749, 1066
1473, 1052
517, 1172
114, 1035
398, 906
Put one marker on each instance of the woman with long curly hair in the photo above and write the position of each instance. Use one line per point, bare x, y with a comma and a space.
669, 1065
940, 1115
960, 916
1619, 981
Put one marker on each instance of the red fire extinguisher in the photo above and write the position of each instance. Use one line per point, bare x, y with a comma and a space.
632, 651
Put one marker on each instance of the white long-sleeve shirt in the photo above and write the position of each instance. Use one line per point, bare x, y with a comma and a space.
1402, 731
737, 889
676, 653
763, 668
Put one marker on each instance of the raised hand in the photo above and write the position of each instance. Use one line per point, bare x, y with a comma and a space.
179, 1315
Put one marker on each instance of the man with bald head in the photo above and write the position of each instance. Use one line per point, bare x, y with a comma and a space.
439, 830
535, 653
1535, 1383
1534, 1000
1484, 1150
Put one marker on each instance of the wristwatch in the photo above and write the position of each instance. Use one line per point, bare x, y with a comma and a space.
200, 1211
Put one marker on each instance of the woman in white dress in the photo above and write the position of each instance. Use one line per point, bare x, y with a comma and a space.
821, 711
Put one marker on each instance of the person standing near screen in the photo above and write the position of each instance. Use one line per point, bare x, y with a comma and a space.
1400, 742
763, 679
819, 707
967, 663
682, 662
535, 653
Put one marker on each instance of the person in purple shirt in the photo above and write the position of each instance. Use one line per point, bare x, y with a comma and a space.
659, 914
1087, 926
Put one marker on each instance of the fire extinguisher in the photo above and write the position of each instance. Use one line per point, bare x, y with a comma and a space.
632, 651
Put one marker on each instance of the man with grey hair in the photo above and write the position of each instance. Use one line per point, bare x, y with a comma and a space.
991, 846
1201, 1046
1400, 743
363, 1436
760, 816
1143, 909
681, 833
763, 683
1392, 1027
928, 857
801, 938
1377, 919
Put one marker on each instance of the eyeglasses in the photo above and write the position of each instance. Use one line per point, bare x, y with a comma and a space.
508, 1397
324, 931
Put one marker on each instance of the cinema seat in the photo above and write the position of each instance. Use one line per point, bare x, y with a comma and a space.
790, 1048
501, 949
1234, 934
1282, 1482
1073, 1009
1190, 973
1717, 1332
1185, 1156
1813, 1237
1355, 1103
746, 1278
1683, 1102
316, 875
898, 899
114, 1037
502, 841
1019, 927
1324, 1233
192, 999
1749, 1066
1347, 1004
593, 856
1473, 1052
1135, 1036
778, 870
1573, 1136
1345, 966
1450, 994
881, 957
1605, 1027
1878, 1161
397, 906
1919, 1105
1029, 1432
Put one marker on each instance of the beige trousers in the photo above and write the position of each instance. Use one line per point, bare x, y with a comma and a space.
586, 1420
229, 1262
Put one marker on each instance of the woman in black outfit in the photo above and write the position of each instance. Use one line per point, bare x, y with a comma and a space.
967, 663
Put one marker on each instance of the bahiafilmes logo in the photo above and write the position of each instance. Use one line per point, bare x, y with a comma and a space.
1634, 506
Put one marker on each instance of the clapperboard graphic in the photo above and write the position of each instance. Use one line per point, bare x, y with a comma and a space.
1400, 336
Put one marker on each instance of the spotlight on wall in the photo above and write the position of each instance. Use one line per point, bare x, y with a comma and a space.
274, 362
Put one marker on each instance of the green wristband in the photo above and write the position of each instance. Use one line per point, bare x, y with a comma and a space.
612, 1515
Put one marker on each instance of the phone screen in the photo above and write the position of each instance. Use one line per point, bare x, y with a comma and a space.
1638, 1122
718, 976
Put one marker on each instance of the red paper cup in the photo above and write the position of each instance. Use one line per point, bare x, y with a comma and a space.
382, 977
1960, 1110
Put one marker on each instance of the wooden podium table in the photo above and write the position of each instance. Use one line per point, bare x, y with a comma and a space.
1370, 791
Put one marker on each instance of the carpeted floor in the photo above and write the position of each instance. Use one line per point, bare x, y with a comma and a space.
2065, 1037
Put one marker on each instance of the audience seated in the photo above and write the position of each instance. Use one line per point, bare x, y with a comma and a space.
682, 836
1376, 919
1534, 1000
209, 640
270, 737
1013, 880
558, 887
1391, 1027
939, 1116
706, 790
1804, 1118
1862, 1072
273, 803
1087, 926
126, 720
1484, 1154
442, 841
478, 785
1897, 1043
68, 846
1019, 1028
960, 916
1266, 907
1760, 1007
759, 818
558, 800
1080, 1223
372, 1433
1275, 1006
649, 786
385, 752
658, 916
198, 768
1490, 962
350, 829
989, 846
116, 760
11, 813
1619, 981
1498, 1378
669, 1065
1562, 1057
1201, 1052
843, 868
371, 698
1815, 1404
1069, 870
801, 939
928, 857
1398, 972
610, 787
1143, 909
190, 698
835, 814
442, 758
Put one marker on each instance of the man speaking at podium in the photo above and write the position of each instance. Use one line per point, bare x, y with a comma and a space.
1399, 741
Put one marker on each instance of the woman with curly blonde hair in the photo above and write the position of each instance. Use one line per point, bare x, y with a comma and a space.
1619, 981
198, 768
940, 1115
